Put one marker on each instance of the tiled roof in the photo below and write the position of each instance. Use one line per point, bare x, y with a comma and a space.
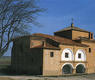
48, 46
72, 28
59, 39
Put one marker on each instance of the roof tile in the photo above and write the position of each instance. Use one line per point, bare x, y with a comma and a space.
59, 39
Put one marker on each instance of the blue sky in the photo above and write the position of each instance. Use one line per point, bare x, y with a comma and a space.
59, 15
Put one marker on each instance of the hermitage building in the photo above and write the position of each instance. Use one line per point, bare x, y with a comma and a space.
69, 51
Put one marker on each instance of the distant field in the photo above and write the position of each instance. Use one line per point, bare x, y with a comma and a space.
4, 62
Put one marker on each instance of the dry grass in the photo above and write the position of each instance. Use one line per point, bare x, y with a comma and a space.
6, 78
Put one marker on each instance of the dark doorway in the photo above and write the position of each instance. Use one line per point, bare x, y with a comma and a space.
67, 69
80, 69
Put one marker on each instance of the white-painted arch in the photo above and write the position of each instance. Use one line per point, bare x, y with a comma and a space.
70, 56
83, 55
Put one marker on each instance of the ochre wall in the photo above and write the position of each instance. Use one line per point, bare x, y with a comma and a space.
90, 56
53, 65
34, 43
77, 34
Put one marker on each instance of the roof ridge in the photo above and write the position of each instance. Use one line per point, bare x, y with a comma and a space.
70, 28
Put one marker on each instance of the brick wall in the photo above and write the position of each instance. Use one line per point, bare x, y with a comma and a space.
77, 34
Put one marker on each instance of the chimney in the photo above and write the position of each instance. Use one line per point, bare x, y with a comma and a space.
43, 43
90, 35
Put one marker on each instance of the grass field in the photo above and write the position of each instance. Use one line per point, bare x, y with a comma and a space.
5, 61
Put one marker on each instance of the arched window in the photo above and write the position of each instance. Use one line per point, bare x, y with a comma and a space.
67, 55
80, 55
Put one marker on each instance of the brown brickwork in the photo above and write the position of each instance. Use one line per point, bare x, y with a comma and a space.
79, 34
